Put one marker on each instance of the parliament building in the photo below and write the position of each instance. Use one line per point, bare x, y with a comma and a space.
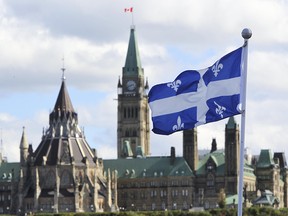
64, 173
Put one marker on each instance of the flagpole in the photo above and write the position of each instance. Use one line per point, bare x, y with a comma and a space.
246, 34
132, 17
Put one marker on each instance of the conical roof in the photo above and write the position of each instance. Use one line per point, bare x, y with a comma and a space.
63, 142
133, 63
231, 123
63, 101
24, 143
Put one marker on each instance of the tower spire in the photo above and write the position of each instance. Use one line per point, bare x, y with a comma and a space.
133, 111
63, 69
133, 63
23, 148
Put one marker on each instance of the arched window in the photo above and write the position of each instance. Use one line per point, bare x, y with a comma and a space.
136, 112
128, 112
50, 180
66, 180
210, 180
125, 114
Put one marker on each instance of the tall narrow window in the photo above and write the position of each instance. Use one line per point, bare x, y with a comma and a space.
128, 112
136, 112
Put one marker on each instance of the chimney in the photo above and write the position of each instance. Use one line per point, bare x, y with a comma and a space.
172, 155
213, 145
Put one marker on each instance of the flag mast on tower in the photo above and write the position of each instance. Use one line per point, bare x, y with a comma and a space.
131, 11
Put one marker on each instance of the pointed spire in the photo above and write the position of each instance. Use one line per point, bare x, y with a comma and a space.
63, 101
231, 123
119, 83
24, 143
133, 63
146, 84
63, 69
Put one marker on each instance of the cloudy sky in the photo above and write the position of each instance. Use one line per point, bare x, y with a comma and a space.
173, 36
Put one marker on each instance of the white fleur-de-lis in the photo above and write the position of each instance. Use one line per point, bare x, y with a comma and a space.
219, 109
174, 85
216, 68
179, 124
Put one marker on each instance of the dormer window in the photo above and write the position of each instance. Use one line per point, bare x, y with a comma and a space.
210, 166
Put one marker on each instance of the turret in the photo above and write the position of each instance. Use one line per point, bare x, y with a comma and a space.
232, 146
23, 149
190, 148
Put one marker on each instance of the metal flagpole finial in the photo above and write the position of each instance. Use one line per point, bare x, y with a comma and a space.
246, 33
63, 70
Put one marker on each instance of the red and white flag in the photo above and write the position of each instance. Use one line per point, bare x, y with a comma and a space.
128, 9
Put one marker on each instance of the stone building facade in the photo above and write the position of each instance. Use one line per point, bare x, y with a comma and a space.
153, 183
63, 174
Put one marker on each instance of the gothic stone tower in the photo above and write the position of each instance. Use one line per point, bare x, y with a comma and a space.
232, 145
64, 173
133, 130
190, 148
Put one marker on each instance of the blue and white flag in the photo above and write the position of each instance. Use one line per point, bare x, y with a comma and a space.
197, 97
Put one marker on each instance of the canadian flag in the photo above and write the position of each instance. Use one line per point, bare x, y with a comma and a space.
128, 9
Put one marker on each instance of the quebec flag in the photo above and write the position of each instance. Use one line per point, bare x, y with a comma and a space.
197, 97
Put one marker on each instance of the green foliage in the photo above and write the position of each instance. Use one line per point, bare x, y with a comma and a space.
266, 210
222, 204
223, 212
251, 211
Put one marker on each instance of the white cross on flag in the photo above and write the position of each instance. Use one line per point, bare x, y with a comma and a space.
198, 97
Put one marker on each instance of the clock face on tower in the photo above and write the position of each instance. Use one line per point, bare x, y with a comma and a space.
131, 85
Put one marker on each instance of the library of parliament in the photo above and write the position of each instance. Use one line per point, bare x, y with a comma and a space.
64, 174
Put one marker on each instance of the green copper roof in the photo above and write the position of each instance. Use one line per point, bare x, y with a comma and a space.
133, 64
219, 159
266, 198
7, 170
248, 170
232, 199
148, 167
231, 123
265, 159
